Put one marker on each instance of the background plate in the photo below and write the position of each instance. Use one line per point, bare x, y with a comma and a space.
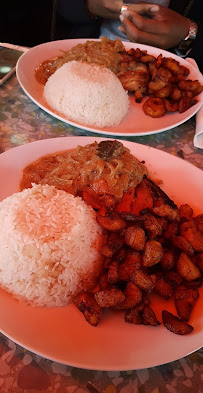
62, 334
135, 123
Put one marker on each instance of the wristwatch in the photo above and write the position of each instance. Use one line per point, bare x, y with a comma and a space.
185, 45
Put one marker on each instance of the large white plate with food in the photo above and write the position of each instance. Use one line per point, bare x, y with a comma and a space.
62, 334
135, 123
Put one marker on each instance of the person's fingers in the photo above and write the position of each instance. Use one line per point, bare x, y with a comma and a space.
121, 28
147, 25
144, 8
139, 36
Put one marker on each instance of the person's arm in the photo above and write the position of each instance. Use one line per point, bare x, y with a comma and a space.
154, 25
108, 9
82, 11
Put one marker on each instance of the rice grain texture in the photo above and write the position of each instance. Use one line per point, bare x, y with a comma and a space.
49, 245
87, 94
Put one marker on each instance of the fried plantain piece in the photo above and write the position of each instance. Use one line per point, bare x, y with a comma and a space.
183, 244
188, 84
172, 65
138, 96
131, 217
133, 297
173, 278
145, 58
152, 226
166, 211
164, 289
168, 261
197, 91
195, 284
86, 303
152, 69
113, 272
113, 244
171, 106
185, 299
187, 270
104, 282
163, 222
172, 230
159, 60
109, 297
153, 253
149, 317
135, 238
111, 222
135, 53
106, 250
143, 281
121, 255
134, 316
190, 231
174, 324
165, 92
154, 107
160, 80
175, 94
185, 103
129, 265
186, 211
199, 222
187, 94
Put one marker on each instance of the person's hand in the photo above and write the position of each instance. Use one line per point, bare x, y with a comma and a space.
105, 8
154, 25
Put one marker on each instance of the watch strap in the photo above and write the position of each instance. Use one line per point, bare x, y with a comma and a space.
186, 44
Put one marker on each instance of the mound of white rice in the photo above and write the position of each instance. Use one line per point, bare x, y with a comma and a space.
49, 243
87, 94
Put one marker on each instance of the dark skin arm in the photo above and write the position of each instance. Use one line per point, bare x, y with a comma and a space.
109, 9
154, 25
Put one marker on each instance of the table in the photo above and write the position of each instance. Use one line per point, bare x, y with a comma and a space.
21, 371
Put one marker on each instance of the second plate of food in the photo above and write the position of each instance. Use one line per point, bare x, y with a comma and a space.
135, 123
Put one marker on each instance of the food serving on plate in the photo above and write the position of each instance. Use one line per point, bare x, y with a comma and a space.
149, 245
87, 94
162, 79
107, 167
49, 247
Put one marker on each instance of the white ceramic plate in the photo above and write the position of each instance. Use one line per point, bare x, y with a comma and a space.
135, 123
62, 334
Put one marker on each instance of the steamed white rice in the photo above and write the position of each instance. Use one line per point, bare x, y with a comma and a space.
87, 94
49, 242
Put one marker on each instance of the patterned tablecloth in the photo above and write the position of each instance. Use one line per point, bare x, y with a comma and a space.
21, 371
